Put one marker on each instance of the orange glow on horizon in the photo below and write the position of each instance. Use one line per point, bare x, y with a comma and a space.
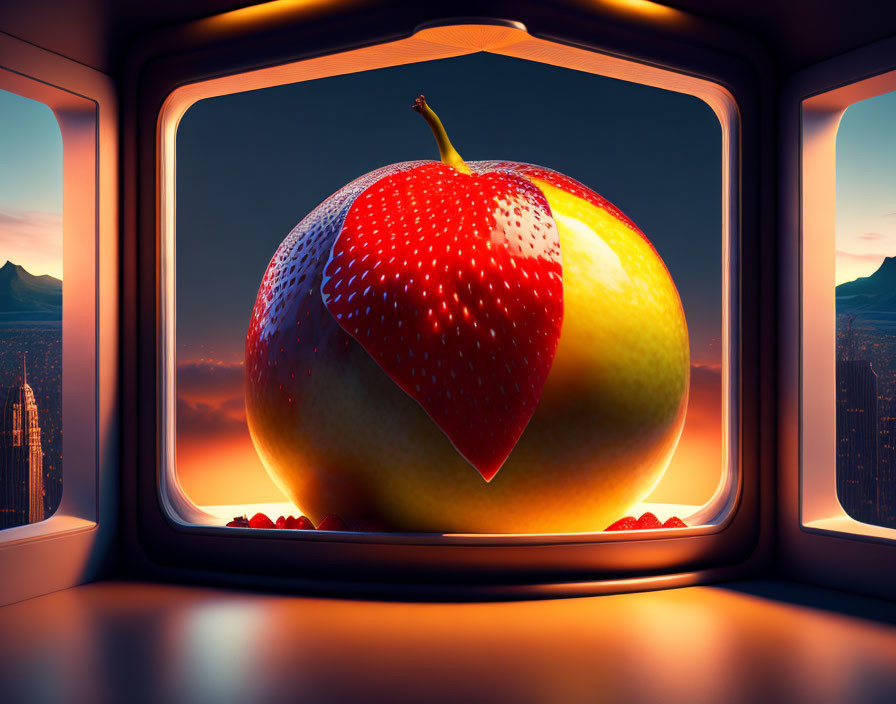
218, 467
224, 471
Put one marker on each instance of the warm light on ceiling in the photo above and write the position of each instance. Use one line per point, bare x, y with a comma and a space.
282, 10
643, 7
275, 10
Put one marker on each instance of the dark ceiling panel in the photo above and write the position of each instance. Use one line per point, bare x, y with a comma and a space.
97, 32
800, 33
797, 32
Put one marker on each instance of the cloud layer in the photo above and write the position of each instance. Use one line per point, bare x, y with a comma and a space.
209, 382
864, 257
210, 400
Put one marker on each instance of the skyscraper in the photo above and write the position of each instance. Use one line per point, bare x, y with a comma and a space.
857, 440
21, 457
887, 472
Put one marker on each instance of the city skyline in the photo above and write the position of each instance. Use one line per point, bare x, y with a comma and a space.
866, 436
43, 348
866, 396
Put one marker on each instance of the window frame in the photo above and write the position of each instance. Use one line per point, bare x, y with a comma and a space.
169, 544
821, 115
425, 45
819, 541
71, 545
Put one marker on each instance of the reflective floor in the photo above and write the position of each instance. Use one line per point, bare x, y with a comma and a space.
745, 642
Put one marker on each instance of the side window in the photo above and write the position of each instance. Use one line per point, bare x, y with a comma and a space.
866, 310
30, 311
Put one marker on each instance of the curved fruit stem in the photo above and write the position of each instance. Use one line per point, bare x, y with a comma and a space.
446, 151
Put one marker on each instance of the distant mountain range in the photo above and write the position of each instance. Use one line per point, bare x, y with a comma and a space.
870, 294
27, 300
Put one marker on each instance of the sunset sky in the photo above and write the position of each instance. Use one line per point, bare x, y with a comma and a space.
866, 186
30, 185
252, 165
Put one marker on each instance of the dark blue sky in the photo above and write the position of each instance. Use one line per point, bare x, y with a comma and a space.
866, 186
252, 165
30, 185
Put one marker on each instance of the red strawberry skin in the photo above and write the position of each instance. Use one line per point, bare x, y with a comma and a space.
260, 520
453, 284
626, 523
300, 523
649, 521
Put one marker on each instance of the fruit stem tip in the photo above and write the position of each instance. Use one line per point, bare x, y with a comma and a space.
447, 152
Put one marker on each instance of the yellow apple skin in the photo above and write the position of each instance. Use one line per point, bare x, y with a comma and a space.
350, 441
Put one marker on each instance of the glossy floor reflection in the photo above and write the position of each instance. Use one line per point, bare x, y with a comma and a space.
134, 642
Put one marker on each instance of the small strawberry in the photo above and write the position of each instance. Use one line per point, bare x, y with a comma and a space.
280, 522
627, 523
648, 521
239, 522
300, 523
260, 520
675, 522
332, 522
452, 282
